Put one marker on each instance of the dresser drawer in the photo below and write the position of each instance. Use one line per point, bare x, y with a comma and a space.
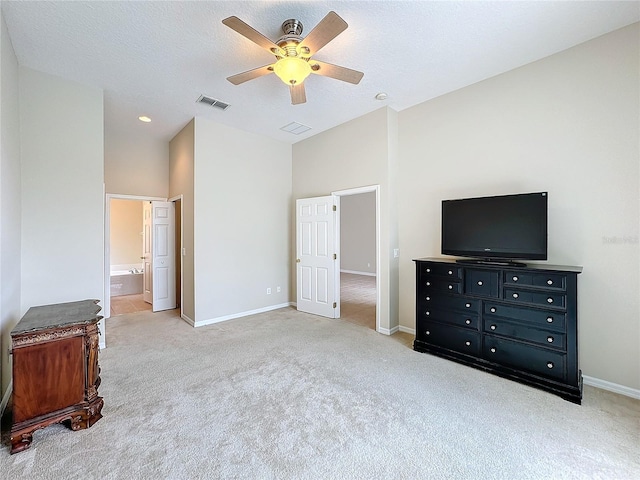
540, 361
482, 282
549, 299
434, 284
547, 280
549, 320
462, 319
449, 302
452, 338
504, 328
441, 269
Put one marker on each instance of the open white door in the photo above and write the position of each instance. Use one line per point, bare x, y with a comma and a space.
163, 248
316, 259
147, 271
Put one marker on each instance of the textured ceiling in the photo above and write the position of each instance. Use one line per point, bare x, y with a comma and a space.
156, 58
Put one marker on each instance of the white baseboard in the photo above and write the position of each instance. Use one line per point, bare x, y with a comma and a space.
354, 272
611, 387
188, 320
412, 331
224, 318
5, 398
388, 331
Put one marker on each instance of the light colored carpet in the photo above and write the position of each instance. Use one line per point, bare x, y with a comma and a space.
293, 396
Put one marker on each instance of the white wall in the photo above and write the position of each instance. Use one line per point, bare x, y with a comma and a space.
567, 124
135, 163
358, 232
125, 232
61, 130
10, 202
242, 221
355, 154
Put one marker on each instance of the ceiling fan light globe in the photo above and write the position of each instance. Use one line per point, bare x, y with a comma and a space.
292, 70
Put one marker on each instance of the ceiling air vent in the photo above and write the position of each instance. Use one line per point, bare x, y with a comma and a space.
295, 128
212, 102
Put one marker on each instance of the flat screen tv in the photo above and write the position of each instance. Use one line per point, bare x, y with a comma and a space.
496, 229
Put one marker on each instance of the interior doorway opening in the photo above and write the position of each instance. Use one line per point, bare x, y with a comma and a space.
120, 254
126, 278
358, 238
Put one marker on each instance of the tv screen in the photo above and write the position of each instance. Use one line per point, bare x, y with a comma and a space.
501, 227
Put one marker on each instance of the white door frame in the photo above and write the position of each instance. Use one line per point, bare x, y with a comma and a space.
181, 247
106, 304
357, 191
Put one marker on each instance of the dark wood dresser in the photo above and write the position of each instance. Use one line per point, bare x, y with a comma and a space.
517, 322
55, 369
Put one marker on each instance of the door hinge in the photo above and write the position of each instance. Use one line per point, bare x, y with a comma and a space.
335, 305
335, 208
335, 257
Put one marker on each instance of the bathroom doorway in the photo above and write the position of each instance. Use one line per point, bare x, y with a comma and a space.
124, 265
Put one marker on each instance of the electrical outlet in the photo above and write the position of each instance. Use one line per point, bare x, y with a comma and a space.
268, 291
277, 289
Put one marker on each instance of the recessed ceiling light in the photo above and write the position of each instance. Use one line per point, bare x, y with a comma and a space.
381, 96
144, 118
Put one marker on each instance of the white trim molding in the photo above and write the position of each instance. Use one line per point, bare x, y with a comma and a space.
187, 319
388, 331
403, 329
239, 315
5, 398
354, 272
611, 387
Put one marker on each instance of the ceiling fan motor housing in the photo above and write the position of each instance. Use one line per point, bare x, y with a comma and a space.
289, 42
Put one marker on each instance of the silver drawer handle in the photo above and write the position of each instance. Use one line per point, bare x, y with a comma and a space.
549, 319
492, 327
450, 272
428, 284
549, 364
467, 305
549, 300
428, 332
493, 350
515, 295
493, 310
467, 321
515, 279
427, 313
549, 282
450, 287
467, 343
428, 270
428, 298
550, 339
480, 283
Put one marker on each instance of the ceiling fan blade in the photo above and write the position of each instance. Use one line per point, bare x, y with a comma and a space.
334, 71
252, 34
298, 94
329, 28
250, 74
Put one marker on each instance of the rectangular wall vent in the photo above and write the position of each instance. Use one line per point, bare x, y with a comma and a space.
295, 128
212, 102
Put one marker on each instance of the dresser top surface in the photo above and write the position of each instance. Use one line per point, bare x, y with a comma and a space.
58, 315
530, 266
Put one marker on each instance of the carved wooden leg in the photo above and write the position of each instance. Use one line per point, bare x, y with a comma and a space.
21, 441
86, 417
94, 412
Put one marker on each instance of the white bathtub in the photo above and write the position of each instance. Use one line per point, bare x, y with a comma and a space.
125, 282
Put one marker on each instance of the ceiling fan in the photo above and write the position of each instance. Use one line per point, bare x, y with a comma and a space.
293, 54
